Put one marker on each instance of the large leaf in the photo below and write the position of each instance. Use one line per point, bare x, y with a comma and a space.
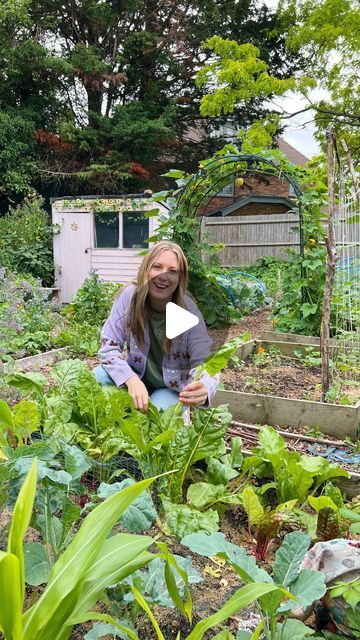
76, 461
308, 587
183, 520
217, 545
202, 493
27, 382
322, 502
271, 441
26, 418
219, 360
66, 373
67, 574
37, 565
289, 557
11, 597
140, 515
293, 630
220, 473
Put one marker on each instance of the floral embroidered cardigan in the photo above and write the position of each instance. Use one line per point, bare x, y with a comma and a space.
121, 356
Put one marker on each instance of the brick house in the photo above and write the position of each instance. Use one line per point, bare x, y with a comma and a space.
259, 194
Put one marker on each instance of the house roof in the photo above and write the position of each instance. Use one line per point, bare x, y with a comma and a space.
295, 156
234, 206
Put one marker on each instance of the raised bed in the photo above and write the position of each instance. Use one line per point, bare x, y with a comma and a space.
39, 360
331, 419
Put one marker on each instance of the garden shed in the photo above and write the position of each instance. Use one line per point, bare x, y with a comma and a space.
101, 234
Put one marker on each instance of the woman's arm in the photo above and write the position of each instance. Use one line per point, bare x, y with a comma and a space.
113, 356
199, 392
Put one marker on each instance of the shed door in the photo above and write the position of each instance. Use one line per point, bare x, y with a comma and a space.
72, 250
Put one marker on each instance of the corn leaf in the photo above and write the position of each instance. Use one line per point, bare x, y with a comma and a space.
10, 596
241, 598
144, 605
70, 568
20, 521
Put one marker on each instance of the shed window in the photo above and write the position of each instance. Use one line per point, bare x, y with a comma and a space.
124, 230
106, 229
135, 230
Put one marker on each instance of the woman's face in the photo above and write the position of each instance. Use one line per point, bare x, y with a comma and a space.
164, 276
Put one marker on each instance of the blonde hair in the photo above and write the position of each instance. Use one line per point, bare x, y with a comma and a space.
138, 315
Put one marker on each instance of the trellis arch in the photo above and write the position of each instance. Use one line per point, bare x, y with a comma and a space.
253, 164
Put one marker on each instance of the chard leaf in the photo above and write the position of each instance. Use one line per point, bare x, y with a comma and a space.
289, 557
28, 382
203, 493
271, 442
66, 373
219, 360
60, 407
26, 418
252, 505
220, 473
183, 520
322, 502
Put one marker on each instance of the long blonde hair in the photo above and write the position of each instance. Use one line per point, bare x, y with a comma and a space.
138, 315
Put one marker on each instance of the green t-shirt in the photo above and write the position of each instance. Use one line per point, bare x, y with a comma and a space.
153, 375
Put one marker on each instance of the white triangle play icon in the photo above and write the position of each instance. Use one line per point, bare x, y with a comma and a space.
178, 320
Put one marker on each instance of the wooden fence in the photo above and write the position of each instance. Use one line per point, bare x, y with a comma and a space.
249, 237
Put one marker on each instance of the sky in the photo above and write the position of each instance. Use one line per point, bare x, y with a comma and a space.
299, 130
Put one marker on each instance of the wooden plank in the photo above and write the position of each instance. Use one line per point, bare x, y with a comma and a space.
333, 420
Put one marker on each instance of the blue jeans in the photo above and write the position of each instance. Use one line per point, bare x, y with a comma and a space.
161, 398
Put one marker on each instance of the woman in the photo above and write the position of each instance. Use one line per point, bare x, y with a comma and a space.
134, 349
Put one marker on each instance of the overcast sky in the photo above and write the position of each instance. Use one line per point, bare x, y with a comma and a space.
300, 129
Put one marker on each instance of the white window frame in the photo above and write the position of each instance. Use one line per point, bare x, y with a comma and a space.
121, 231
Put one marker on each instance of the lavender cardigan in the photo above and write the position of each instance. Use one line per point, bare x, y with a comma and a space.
121, 356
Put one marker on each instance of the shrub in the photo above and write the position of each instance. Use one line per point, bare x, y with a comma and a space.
26, 240
27, 317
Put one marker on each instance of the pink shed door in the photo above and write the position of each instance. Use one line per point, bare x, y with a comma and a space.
72, 252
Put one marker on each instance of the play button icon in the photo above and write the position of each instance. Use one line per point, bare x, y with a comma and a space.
178, 320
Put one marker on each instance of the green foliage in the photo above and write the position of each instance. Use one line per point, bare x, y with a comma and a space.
26, 238
327, 33
91, 562
86, 314
267, 522
28, 320
140, 515
17, 158
240, 76
299, 586
294, 475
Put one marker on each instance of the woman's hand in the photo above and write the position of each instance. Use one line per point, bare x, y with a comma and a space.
194, 393
138, 392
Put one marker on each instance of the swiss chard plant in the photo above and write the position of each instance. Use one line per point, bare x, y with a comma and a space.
303, 586
294, 475
264, 523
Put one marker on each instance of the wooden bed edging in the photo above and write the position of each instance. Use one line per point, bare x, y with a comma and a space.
334, 420
37, 360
